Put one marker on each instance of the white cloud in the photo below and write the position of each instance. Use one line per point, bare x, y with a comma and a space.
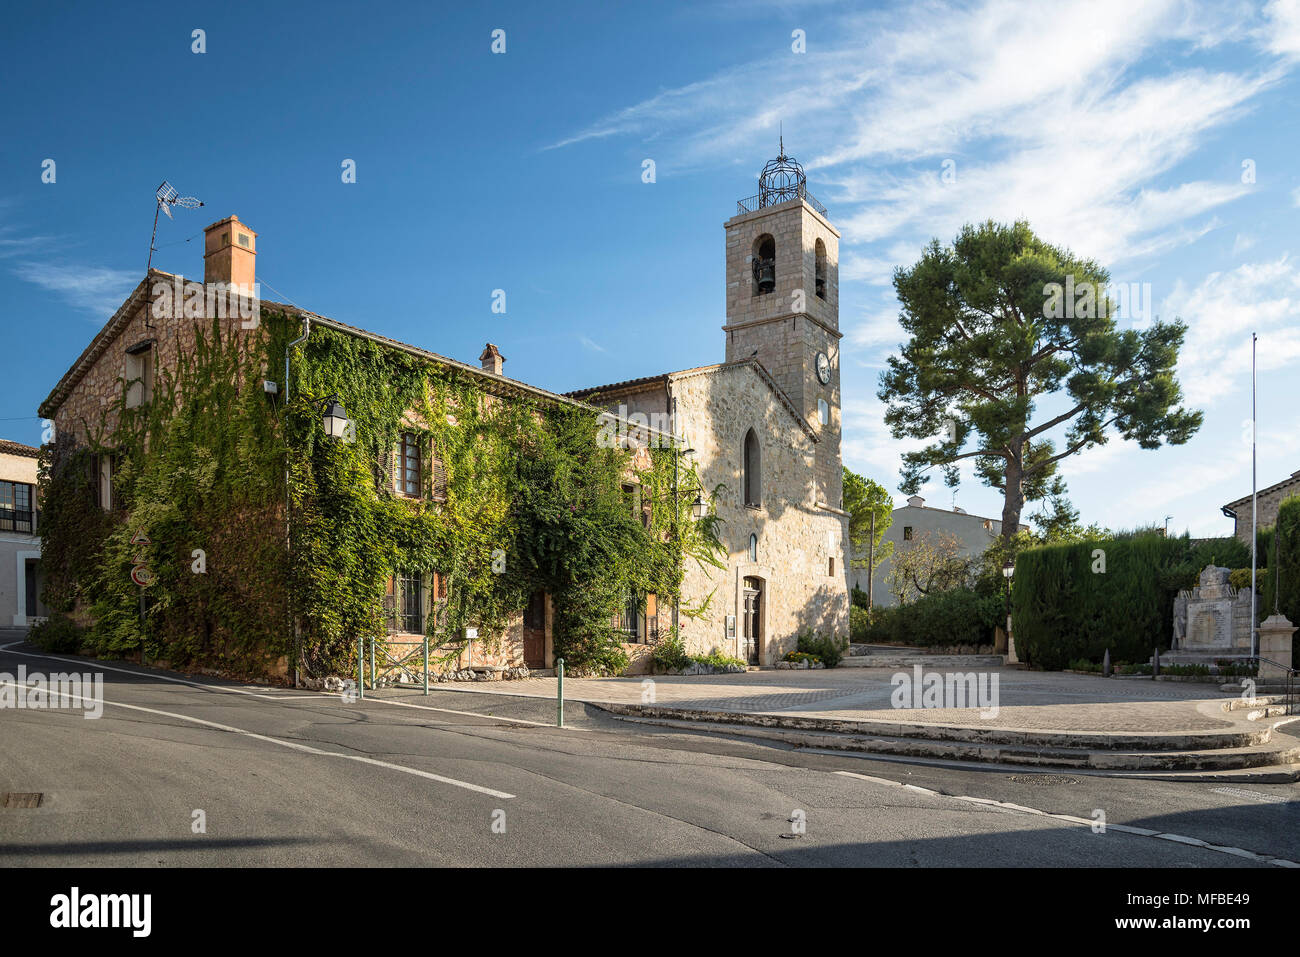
96, 289
1281, 35
1222, 311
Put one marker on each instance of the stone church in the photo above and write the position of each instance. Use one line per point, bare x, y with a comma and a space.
764, 425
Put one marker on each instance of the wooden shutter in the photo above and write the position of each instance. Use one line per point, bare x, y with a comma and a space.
438, 484
390, 604
384, 480
652, 617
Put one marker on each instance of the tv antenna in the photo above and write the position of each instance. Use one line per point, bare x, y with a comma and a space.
167, 198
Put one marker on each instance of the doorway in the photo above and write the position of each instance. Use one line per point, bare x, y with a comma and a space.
535, 631
751, 619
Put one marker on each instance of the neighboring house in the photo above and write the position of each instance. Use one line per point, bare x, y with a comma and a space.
20, 548
916, 520
1268, 501
764, 425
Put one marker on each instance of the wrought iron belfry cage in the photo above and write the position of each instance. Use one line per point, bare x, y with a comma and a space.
782, 180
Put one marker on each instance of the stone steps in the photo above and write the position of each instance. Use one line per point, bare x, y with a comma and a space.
925, 661
1245, 749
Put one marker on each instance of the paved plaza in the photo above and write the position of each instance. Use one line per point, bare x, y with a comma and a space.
1029, 700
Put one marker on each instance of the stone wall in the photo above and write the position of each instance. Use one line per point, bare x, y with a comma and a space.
796, 538
90, 409
1268, 501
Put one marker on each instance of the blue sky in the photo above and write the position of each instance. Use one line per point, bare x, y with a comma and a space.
1158, 137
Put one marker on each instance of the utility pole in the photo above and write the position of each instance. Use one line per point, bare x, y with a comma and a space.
871, 559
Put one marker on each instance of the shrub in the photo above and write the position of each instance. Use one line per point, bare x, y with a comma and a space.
1083, 664
859, 598
859, 623
827, 648
670, 651
717, 659
797, 656
1282, 585
957, 617
58, 633
1240, 577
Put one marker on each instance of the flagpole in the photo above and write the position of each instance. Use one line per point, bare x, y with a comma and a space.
1254, 493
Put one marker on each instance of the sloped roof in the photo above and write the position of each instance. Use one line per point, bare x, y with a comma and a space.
1293, 480
9, 447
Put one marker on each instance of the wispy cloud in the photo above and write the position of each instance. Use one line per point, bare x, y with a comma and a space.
590, 344
1222, 311
1077, 144
96, 289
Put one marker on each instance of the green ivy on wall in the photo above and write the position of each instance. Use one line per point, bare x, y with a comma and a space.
533, 502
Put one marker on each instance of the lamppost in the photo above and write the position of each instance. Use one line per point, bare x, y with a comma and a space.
1008, 570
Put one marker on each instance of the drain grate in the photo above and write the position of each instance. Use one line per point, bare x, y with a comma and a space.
20, 799
1044, 780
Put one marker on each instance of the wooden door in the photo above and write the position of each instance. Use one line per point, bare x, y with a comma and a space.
535, 631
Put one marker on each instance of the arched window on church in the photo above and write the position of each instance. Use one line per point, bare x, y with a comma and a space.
764, 262
821, 270
753, 471
753, 548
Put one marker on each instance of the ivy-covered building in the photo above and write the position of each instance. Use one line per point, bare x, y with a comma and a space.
205, 503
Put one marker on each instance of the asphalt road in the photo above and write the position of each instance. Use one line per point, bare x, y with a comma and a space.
295, 778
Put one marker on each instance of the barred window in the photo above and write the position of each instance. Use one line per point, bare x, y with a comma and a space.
628, 619
410, 602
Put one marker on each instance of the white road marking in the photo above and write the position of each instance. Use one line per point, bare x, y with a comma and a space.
1082, 822
282, 696
287, 744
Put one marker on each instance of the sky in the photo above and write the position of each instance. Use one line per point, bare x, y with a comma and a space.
1159, 138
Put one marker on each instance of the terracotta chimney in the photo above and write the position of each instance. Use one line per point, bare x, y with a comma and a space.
229, 248
491, 359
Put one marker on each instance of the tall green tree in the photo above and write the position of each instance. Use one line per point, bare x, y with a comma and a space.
864, 498
1001, 322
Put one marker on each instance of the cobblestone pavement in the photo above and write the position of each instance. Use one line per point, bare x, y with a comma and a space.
1028, 700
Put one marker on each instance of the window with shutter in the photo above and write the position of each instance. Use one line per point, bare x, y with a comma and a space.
409, 465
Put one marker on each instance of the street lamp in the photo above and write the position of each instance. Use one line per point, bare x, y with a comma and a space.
699, 507
336, 418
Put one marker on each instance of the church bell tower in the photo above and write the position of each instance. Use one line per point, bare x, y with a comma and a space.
783, 303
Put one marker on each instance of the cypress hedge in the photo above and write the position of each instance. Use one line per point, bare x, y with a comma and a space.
1280, 586
1076, 600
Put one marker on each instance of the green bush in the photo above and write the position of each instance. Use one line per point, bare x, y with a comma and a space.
797, 656
670, 651
859, 598
1240, 577
59, 634
827, 648
859, 623
717, 659
1065, 607
1281, 587
957, 617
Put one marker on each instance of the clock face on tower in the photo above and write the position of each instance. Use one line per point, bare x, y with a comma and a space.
823, 368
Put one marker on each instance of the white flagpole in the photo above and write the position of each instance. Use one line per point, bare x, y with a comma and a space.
1254, 532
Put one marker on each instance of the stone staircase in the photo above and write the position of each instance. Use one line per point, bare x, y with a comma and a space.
881, 656
1253, 749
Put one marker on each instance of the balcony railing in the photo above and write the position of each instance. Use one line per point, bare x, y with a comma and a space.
752, 204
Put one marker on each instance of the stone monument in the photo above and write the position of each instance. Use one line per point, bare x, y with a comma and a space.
1212, 619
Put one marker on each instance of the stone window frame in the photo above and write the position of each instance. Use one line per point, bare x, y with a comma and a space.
819, 269
756, 259
752, 470
9, 510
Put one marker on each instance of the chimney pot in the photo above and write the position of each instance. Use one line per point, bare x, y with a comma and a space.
491, 359
229, 250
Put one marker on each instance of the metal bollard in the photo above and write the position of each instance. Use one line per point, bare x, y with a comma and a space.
559, 691
372, 663
361, 666
426, 664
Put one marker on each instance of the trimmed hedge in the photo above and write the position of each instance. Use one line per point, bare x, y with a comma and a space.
1282, 585
957, 617
1063, 610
